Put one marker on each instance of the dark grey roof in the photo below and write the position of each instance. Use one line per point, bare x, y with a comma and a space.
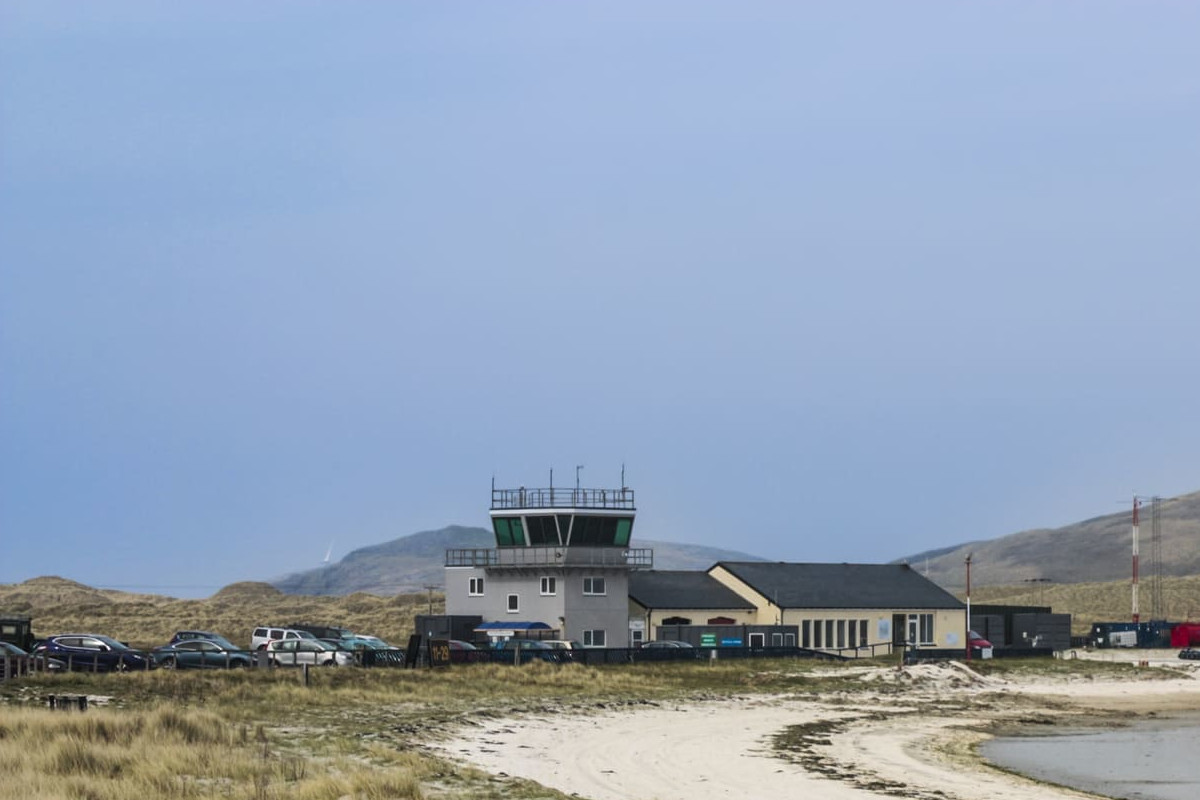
841, 585
682, 589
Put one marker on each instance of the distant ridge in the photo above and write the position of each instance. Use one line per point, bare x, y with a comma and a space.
413, 563
1092, 551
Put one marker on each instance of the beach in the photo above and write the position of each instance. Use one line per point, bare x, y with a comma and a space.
906, 732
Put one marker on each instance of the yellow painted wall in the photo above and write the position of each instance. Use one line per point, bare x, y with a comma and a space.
949, 626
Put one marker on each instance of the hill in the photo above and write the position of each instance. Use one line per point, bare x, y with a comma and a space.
412, 563
1093, 551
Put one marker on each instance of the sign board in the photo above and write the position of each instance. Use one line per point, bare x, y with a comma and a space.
731, 642
439, 652
414, 650
708, 640
637, 624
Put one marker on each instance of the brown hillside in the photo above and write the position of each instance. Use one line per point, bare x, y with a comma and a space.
1096, 550
144, 620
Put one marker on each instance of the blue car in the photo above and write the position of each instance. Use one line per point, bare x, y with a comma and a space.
215, 653
93, 652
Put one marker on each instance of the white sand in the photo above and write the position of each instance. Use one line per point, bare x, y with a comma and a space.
723, 749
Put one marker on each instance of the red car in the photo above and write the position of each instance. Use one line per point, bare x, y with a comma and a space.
977, 642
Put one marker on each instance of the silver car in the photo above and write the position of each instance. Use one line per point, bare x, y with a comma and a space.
294, 652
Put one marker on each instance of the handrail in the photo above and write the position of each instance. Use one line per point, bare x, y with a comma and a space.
619, 499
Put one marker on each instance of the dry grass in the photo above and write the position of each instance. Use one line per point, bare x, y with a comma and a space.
166, 752
1100, 602
143, 620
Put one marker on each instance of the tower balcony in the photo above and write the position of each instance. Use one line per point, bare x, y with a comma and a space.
531, 499
525, 557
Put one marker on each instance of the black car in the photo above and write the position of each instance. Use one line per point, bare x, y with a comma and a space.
93, 652
1190, 653
218, 653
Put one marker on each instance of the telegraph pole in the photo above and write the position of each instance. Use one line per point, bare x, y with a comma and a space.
968, 637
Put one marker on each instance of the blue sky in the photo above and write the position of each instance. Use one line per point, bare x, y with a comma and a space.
834, 282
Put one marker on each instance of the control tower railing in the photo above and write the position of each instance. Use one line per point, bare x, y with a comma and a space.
619, 499
519, 557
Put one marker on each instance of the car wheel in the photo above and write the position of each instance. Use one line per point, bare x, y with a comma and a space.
121, 666
170, 663
329, 663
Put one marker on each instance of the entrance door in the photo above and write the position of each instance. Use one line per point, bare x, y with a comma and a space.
899, 625
758, 639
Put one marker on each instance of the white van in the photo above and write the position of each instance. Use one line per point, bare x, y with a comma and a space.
265, 634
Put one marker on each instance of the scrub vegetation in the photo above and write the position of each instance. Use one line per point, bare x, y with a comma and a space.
350, 733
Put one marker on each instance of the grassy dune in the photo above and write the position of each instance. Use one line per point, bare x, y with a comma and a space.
1100, 602
58, 605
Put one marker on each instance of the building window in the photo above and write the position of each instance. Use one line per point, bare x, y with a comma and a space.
817, 627
594, 586
475, 587
549, 586
805, 634
922, 626
593, 638
862, 633
853, 634
829, 634
841, 633
514, 603
636, 637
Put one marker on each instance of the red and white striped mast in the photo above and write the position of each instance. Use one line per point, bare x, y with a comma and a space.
1136, 503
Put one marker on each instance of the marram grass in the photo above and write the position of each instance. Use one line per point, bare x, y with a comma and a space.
165, 752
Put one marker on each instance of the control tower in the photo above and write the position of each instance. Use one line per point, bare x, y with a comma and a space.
560, 566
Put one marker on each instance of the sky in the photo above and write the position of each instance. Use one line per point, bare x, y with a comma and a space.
830, 282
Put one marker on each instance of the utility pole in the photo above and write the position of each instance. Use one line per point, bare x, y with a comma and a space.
429, 587
1136, 502
968, 637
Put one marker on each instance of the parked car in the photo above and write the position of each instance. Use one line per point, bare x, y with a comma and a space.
1190, 653
294, 652
87, 652
265, 633
321, 631
217, 653
667, 644
568, 649
529, 650
183, 636
36, 662
977, 642
380, 644
353, 643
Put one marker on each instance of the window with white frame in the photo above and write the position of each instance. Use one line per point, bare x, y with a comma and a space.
923, 625
475, 587
594, 586
549, 585
594, 638
514, 603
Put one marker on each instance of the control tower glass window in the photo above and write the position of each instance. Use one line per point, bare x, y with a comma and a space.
509, 532
542, 530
